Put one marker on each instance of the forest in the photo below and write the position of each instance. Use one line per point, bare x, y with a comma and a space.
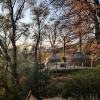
49, 49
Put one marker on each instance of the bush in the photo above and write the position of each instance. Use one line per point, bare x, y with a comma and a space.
76, 87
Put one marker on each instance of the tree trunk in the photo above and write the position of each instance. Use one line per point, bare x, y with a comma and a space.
37, 92
64, 47
80, 42
97, 31
14, 52
97, 17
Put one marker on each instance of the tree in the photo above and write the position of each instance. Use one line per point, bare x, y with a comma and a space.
9, 35
80, 11
97, 18
40, 13
52, 34
65, 37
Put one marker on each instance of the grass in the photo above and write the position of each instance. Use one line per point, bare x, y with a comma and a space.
86, 72
85, 82
83, 73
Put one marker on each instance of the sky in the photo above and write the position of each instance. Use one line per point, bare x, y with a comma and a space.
28, 18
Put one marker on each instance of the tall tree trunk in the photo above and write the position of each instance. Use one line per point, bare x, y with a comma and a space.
64, 46
97, 28
14, 54
53, 49
96, 14
37, 56
97, 23
80, 42
97, 31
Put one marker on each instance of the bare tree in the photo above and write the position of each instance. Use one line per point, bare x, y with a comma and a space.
52, 34
40, 14
66, 37
9, 35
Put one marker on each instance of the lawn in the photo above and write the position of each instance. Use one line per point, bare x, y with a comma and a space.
85, 73
81, 83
